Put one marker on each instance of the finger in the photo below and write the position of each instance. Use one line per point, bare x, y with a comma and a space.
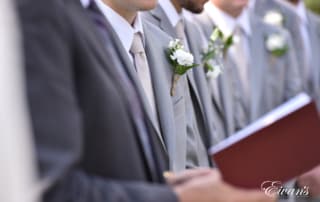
178, 178
256, 196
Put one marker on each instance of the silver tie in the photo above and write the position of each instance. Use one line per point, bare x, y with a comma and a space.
143, 71
242, 62
180, 31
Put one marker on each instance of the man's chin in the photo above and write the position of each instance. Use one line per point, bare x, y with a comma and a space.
195, 10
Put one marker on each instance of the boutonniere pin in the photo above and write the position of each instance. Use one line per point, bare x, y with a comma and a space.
274, 17
277, 45
181, 61
212, 56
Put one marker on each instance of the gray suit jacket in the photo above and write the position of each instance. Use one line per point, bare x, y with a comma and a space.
314, 34
291, 24
205, 114
210, 116
273, 80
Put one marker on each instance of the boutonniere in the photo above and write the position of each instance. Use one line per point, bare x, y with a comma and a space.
212, 56
274, 17
277, 45
181, 61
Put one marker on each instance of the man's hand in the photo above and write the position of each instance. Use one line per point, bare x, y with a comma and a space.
182, 177
206, 185
311, 179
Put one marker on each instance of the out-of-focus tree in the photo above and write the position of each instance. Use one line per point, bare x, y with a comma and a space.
313, 5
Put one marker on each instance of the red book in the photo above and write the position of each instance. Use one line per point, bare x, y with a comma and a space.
278, 147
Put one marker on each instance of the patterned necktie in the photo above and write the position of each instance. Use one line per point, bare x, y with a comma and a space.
143, 71
241, 59
180, 31
240, 80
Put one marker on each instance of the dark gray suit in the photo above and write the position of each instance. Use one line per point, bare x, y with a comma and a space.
89, 146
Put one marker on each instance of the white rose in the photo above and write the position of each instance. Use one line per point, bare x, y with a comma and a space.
175, 44
182, 57
215, 72
274, 18
275, 42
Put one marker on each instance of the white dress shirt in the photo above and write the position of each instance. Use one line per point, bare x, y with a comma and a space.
85, 3
121, 26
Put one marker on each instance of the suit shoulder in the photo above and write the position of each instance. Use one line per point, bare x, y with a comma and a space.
286, 8
204, 23
314, 17
40, 9
147, 16
156, 31
267, 28
202, 19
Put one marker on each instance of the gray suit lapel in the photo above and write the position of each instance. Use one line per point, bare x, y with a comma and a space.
157, 63
257, 66
166, 26
164, 22
133, 75
205, 20
193, 48
227, 97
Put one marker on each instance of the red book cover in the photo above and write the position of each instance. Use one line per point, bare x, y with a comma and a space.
278, 147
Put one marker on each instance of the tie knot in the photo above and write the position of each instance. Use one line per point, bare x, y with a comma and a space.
180, 29
137, 44
238, 30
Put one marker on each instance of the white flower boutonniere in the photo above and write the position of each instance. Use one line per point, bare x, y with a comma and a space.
274, 18
181, 61
277, 45
212, 56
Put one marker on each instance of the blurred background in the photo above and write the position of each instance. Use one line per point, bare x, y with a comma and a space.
314, 5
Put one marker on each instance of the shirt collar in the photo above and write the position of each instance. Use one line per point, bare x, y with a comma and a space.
85, 3
123, 29
227, 23
252, 4
302, 12
170, 11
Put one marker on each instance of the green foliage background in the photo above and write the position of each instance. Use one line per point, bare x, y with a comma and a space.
314, 5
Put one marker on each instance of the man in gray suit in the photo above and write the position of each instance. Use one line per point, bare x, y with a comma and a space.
304, 29
168, 15
172, 115
259, 78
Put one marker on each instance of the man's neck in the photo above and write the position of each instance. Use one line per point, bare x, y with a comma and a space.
235, 13
129, 16
294, 2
